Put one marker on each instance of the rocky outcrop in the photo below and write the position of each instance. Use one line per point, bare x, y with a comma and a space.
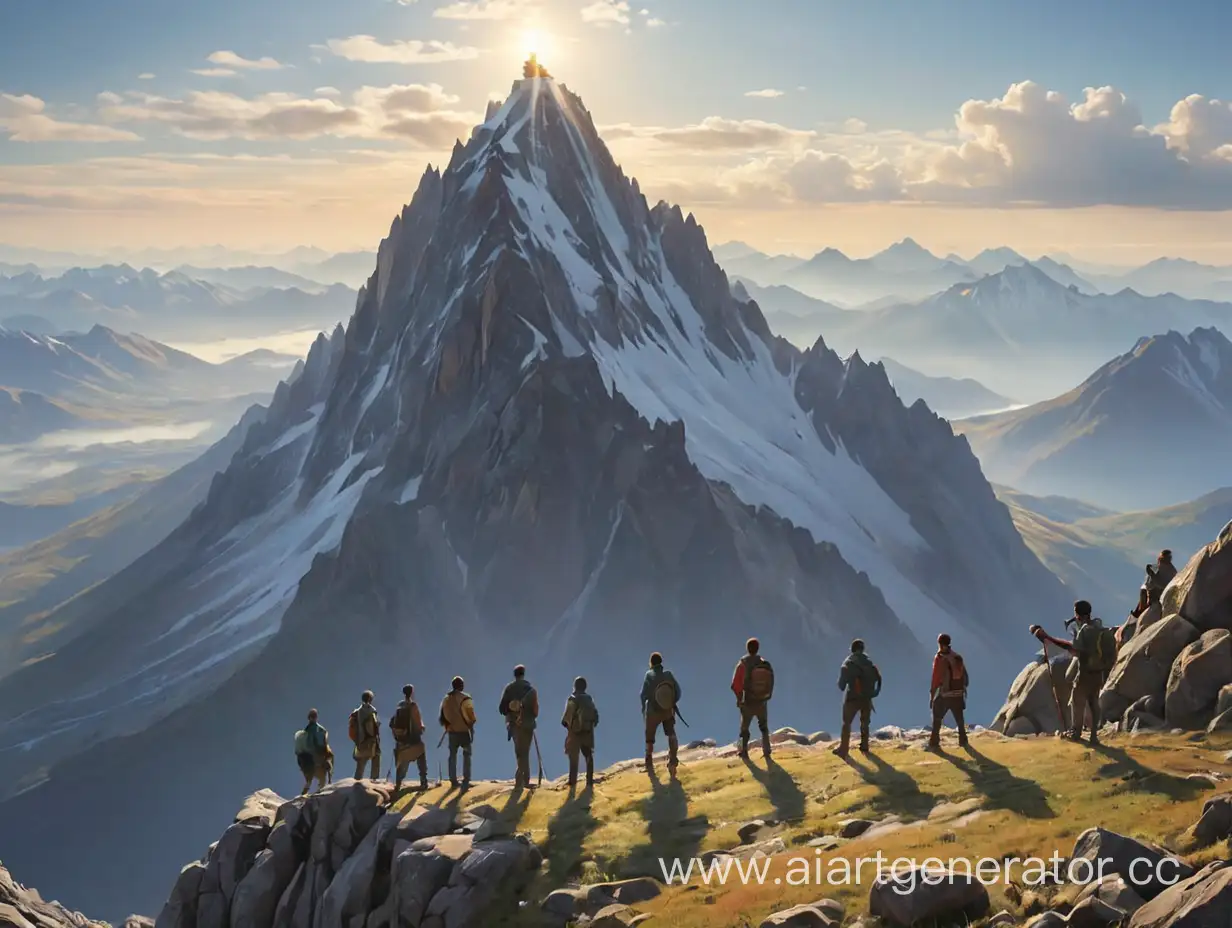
1031, 707
24, 908
1109, 853
1144, 666
1202, 591
1201, 901
1200, 671
1215, 823
341, 859
823, 914
921, 895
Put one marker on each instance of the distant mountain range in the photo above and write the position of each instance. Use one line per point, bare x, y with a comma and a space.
1151, 428
907, 271
1100, 555
25, 415
951, 397
171, 305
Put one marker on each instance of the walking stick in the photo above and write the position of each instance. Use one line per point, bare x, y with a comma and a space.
442, 741
539, 755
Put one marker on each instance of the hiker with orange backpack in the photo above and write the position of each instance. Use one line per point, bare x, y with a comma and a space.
364, 729
660, 701
860, 680
948, 692
753, 684
1095, 646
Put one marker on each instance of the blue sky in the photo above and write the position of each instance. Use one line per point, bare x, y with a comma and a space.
147, 121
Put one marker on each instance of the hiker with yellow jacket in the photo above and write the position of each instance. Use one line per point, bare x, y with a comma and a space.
753, 684
519, 705
580, 720
457, 717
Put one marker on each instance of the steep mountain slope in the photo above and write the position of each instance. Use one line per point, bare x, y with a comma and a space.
1152, 427
25, 415
1020, 332
947, 396
549, 433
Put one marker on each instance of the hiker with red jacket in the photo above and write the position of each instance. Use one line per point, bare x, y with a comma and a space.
1095, 647
860, 680
947, 692
753, 684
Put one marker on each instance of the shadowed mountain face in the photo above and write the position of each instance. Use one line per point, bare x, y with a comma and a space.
1151, 428
549, 434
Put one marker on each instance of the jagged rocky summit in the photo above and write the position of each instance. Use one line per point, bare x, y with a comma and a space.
549, 434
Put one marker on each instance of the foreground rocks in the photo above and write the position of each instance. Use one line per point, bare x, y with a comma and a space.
923, 895
341, 859
24, 908
1202, 901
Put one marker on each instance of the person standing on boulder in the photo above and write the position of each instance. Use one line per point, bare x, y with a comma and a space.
519, 705
312, 753
580, 719
948, 692
753, 684
457, 717
1095, 647
1159, 576
660, 696
364, 727
407, 728
860, 680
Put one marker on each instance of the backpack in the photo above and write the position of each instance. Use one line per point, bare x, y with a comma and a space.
353, 726
759, 686
301, 743
400, 723
665, 694
959, 679
867, 680
583, 719
1105, 653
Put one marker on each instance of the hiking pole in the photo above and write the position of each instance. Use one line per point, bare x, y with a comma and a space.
676, 709
1052, 684
442, 741
539, 755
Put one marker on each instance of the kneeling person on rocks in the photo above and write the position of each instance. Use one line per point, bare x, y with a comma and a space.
753, 684
580, 719
660, 696
312, 753
860, 680
948, 692
520, 706
364, 728
457, 717
407, 728
1095, 647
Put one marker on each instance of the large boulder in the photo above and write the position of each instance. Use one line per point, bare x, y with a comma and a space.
229, 862
1032, 698
1224, 702
24, 908
492, 870
1202, 591
1215, 823
1142, 668
423, 868
1148, 868
1145, 714
919, 895
1093, 912
800, 916
353, 890
1202, 901
1200, 671
1113, 890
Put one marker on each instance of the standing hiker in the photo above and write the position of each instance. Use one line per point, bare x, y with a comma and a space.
457, 717
407, 728
1096, 648
1159, 576
948, 692
312, 753
860, 681
753, 684
519, 705
364, 728
580, 719
660, 697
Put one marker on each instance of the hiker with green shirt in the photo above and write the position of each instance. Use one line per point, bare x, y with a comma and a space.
519, 705
312, 753
660, 696
407, 727
580, 720
364, 728
457, 717
753, 684
860, 681
1096, 648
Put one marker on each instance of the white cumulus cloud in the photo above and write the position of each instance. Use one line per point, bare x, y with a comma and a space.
369, 49
606, 13
24, 119
229, 59
768, 94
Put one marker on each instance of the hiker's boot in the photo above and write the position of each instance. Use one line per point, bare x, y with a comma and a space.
744, 747
933, 746
649, 764
864, 745
844, 744
423, 784
963, 742
765, 744
1094, 739
397, 787
453, 782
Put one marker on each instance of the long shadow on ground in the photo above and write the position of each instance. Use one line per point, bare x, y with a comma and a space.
1001, 788
671, 833
898, 792
568, 830
1137, 777
787, 797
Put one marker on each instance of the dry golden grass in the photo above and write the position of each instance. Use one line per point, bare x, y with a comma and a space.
1034, 797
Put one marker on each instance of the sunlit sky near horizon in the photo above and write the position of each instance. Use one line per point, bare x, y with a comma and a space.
1100, 129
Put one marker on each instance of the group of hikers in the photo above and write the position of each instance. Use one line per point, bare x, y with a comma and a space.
1093, 645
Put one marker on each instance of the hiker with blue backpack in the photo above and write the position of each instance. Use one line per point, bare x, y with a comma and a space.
860, 681
1095, 647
